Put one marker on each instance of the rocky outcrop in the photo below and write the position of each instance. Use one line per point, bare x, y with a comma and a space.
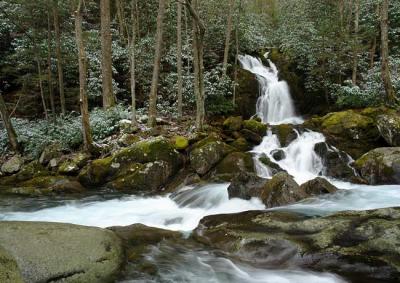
354, 132
362, 244
380, 166
143, 167
247, 93
389, 128
62, 252
336, 163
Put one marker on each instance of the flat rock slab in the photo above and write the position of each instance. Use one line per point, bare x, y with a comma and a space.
53, 252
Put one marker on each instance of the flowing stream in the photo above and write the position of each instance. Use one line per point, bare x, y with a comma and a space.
182, 211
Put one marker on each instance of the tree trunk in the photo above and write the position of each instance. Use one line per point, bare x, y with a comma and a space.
237, 53
386, 78
106, 54
157, 63
228, 37
87, 136
12, 136
59, 58
49, 74
39, 68
355, 48
121, 20
179, 59
131, 43
198, 54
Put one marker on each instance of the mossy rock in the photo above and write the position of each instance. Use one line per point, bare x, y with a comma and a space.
98, 172
241, 144
272, 166
28, 171
233, 123
9, 271
247, 93
73, 164
286, 133
13, 165
207, 153
234, 163
389, 128
256, 127
380, 166
181, 143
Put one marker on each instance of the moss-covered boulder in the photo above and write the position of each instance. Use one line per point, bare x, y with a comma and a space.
52, 252
181, 143
73, 163
251, 137
233, 164
241, 144
98, 172
207, 153
233, 123
246, 186
28, 171
12, 165
9, 271
286, 133
273, 167
380, 166
318, 186
361, 244
247, 93
389, 128
256, 127
353, 132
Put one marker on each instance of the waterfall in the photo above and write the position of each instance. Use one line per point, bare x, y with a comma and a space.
275, 104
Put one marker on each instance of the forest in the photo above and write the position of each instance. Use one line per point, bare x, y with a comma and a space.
200, 141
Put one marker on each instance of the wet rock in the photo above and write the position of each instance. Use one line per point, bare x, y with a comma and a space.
9, 271
286, 133
185, 177
256, 127
207, 154
389, 128
233, 123
251, 137
12, 165
246, 186
361, 244
50, 152
318, 186
241, 144
247, 93
350, 131
272, 166
278, 154
380, 166
335, 162
62, 252
281, 190
233, 164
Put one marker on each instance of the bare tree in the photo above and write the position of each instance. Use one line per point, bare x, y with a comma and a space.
86, 131
179, 58
355, 48
157, 63
49, 73
228, 36
132, 59
12, 136
59, 57
386, 78
106, 54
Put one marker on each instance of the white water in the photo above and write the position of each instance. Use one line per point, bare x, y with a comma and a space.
275, 105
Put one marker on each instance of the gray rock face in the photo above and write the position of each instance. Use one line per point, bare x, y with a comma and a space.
9, 272
380, 166
389, 128
361, 244
13, 165
53, 252
318, 186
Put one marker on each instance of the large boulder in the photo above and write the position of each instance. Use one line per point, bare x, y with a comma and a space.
247, 93
273, 167
246, 186
233, 164
318, 186
362, 244
256, 127
380, 166
350, 131
389, 128
9, 271
27, 172
52, 252
13, 165
207, 153
286, 133
73, 163
233, 123
336, 162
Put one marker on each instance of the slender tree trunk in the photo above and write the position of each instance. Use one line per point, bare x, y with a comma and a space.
386, 78
355, 49
179, 59
49, 74
121, 20
372, 53
237, 53
157, 63
106, 54
198, 54
132, 42
86, 131
228, 36
12, 136
39, 68
59, 58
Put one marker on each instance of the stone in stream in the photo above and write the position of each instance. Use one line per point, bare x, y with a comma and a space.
53, 252
380, 166
272, 166
285, 132
233, 164
389, 128
363, 245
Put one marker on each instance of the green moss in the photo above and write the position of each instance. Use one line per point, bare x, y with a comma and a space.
181, 143
285, 133
256, 127
41, 182
241, 144
97, 172
233, 123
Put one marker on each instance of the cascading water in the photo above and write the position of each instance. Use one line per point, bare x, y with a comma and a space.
275, 105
